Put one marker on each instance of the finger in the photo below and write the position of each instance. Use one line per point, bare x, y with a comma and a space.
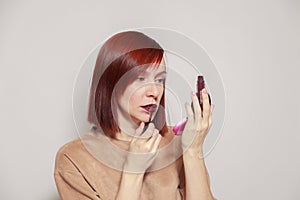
139, 130
189, 113
155, 141
148, 143
149, 131
151, 135
210, 116
197, 108
212, 107
206, 106
151, 126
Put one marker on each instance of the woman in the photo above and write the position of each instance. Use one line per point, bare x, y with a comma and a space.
126, 107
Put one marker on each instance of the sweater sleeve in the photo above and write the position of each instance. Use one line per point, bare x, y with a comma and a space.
70, 182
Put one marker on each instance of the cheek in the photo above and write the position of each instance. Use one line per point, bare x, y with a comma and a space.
162, 90
135, 99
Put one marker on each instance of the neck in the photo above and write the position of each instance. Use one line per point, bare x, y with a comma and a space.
127, 129
123, 136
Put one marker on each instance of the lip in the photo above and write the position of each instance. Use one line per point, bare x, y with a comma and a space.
149, 107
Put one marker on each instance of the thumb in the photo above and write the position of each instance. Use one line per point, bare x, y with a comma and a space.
140, 129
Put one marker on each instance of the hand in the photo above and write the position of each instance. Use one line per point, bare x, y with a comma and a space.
143, 148
198, 124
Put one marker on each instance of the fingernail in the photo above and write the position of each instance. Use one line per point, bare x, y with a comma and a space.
193, 93
204, 91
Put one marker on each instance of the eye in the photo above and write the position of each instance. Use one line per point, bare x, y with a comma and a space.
140, 78
160, 80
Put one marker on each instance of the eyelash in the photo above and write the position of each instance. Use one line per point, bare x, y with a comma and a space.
161, 80
139, 78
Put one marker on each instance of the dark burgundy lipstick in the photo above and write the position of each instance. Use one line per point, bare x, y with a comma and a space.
150, 107
200, 87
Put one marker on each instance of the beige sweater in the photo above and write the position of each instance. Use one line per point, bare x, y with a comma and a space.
79, 173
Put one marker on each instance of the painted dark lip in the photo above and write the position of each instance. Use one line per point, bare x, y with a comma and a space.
150, 107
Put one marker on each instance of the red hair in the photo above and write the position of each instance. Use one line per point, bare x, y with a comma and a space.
124, 52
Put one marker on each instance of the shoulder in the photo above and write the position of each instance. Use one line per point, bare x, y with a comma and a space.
69, 147
68, 154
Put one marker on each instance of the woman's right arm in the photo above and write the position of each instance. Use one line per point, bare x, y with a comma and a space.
136, 165
130, 187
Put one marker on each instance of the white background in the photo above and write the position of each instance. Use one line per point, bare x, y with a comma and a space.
254, 44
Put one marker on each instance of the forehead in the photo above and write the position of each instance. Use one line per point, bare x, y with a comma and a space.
161, 67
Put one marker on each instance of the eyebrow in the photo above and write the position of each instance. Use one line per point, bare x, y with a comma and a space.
160, 73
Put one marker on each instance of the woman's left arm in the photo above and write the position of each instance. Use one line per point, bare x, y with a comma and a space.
197, 185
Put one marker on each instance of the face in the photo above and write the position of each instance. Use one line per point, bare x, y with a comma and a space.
141, 99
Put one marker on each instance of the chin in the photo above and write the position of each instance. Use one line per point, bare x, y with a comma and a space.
141, 119
144, 120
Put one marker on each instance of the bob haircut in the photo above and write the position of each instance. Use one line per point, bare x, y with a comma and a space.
124, 53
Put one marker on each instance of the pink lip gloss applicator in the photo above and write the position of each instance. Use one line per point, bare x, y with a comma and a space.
178, 128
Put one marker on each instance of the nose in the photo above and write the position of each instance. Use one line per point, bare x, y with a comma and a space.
152, 90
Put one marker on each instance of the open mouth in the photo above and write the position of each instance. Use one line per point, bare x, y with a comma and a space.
150, 107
